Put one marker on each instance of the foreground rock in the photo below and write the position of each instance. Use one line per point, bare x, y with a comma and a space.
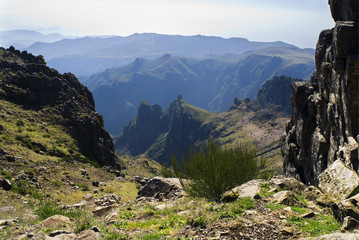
348, 207
161, 189
336, 236
248, 189
338, 181
325, 121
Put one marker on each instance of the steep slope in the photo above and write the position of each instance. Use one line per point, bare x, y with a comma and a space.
49, 105
210, 84
325, 120
102, 53
163, 134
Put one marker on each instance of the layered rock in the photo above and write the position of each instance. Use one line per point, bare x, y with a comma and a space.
324, 124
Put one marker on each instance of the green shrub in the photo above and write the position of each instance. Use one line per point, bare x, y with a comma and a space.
209, 174
48, 209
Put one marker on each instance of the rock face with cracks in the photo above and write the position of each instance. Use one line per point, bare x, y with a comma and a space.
324, 124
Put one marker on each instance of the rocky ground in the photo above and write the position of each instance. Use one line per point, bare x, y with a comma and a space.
79, 201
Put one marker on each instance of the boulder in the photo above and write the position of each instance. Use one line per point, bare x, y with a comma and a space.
314, 194
248, 189
162, 189
55, 221
338, 181
287, 183
89, 235
287, 198
348, 207
335, 236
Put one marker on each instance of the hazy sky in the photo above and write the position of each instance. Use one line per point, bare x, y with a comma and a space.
293, 21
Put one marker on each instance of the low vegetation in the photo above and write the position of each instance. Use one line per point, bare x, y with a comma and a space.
209, 174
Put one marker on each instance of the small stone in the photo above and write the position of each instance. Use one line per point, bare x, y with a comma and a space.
5, 184
87, 197
58, 232
308, 215
95, 183
288, 231
350, 224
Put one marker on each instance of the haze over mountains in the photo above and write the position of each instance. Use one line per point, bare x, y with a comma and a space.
25, 38
89, 55
211, 84
208, 71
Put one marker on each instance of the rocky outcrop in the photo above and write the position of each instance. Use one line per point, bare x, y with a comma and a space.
324, 124
27, 81
163, 134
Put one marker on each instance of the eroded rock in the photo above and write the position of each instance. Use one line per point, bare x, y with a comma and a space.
348, 207
338, 181
162, 189
248, 189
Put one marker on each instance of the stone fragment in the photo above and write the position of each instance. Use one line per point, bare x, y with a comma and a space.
162, 189
102, 211
314, 194
349, 224
89, 235
287, 198
348, 207
5, 184
248, 189
284, 183
338, 181
335, 236
55, 221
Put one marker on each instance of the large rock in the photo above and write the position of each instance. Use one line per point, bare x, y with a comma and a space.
345, 208
335, 236
338, 181
286, 198
284, 183
325, 121
55, 221
162, 188
248, 189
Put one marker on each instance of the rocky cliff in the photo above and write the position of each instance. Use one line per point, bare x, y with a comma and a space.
324, 124
62, 100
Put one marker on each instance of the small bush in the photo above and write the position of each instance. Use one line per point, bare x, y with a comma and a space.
48, 209
209, 174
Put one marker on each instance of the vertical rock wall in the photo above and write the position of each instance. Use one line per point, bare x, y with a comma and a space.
324, 125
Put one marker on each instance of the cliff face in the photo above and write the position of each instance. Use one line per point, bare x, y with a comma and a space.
324, 124
25, 80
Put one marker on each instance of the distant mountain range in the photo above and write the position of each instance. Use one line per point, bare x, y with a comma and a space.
89, 55
211, 84
24, 38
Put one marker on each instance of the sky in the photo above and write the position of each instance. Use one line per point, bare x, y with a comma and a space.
297, 22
